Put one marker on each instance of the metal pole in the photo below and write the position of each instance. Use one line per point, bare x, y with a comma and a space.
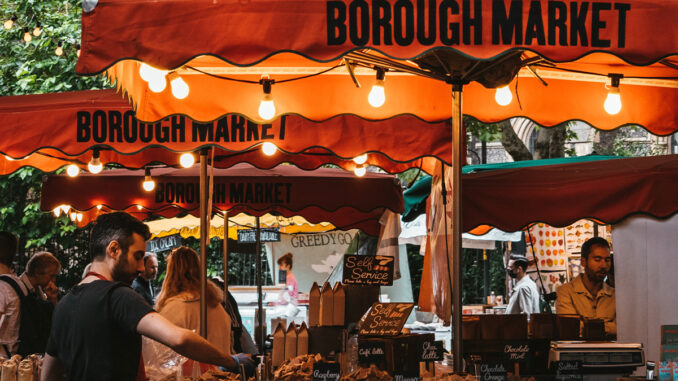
225, 254
455, 264
203, 243
486, 278
260, 315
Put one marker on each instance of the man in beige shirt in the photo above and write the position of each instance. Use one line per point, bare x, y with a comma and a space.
588, 295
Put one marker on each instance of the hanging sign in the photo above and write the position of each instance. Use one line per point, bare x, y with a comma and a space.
431, 351
267, 235
163, 244
371, 352
326, 371
385, 319
368, 270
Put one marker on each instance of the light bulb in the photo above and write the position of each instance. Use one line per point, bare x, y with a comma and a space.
57, 211
360, 160
146, 72
95, 165
157, 84
9, 158
65, 208
77, 51
613, 102
72, 170
99, 207
267, 107
139, 206
186, 160
79, 217
269, 148
27, 37
8, 24
503, 96
377, 96
59, 51
37, 31
179, 87
149, 185
360, 171
74, 216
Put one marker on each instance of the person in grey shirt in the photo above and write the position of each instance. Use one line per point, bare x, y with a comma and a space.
143, 284
525, 296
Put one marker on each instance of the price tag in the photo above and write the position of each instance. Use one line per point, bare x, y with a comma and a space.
569, 371
516, 352
431, 351
326, 371
371, 352
492, 372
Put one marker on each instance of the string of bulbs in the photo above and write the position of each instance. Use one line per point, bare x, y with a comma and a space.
37, 31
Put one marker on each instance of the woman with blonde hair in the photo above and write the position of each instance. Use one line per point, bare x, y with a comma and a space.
179, 299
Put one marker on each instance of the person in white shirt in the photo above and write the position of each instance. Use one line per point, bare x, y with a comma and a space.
9, 300
525, 296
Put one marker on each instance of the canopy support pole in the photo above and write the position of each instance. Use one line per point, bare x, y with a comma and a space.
203, 243
260, 304
454, 262
225, 255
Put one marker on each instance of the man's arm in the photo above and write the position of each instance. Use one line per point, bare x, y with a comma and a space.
52, 369
183, 341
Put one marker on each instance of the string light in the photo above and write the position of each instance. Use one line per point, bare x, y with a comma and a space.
57, 211
27, 35
79, 217
99, 207
37, 31
9, 23
95, 165
503, 96
266, 106
59, 51
187, 160
139, 206
64, 208
269, 148
360, 160
77, 50
360, 171
148, 184
156, 78
72, 170
377, 96
74, 216
613, 103
179, 86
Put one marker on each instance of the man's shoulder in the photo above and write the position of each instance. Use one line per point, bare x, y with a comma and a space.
566, 288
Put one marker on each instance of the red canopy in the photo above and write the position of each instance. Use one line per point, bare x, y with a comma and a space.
559, 195
323, 195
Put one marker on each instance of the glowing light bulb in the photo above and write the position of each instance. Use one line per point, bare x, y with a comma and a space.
148, 183
186, 160
9, 158
73, 216
77, 51
157, 84
613, 102
59, 51
65, 208
179, 87
269, 148
146, 72
360, 171
57, 211
8, 24
72, 170
503, 96
27, 36
79, 217
37, 31
99, 207
360, 160
95, 165
267, 107
377, 96
139, 207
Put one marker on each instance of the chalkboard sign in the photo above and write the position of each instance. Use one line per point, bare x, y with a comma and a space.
368, 270
267, 235
371, 352
516, 352
163, 244
492, 372
431, 351
405, 377
326, 371
569, 371
385, 319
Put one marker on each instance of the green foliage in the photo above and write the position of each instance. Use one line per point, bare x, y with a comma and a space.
624, 145
472, 268
486, 132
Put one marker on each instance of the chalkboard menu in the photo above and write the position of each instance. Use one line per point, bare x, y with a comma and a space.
569, 371
516, 352
492, 372
371, 352
326, 371
163, 244
368, 270
385, 319
431, 351
267, 235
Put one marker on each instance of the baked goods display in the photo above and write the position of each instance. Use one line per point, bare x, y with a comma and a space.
368, 374
298, 368
18, 369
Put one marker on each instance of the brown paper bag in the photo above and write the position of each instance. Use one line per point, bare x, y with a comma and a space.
339, 304
278, 346
291, 342
314, 306
302, 340
326, 305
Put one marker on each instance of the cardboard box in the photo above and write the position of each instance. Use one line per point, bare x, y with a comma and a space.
291, 342
326, 305
302, 340
314, 306
339, 305
278, 356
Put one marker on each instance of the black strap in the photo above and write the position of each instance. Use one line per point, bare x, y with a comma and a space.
9, 280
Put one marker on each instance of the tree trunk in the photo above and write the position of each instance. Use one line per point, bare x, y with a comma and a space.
603, 142
512, 143
550, 143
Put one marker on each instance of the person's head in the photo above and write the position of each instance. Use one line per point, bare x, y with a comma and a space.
183, 275
8, 245
150, 266
517, 266
595, 258
43, 268
285, 262
119, 240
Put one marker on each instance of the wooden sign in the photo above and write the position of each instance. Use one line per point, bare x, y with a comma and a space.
267, 235
371, 352
431, 351
326, 371
516, 352
569, 371
492, 372
368, 270
385, 319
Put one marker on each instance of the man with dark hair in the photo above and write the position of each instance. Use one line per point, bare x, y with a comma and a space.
588, 295
97, 327
10, 303
143, 284
525, 296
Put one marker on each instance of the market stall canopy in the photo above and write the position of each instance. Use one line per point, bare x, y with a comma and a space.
189, 226
63, 128
312, 56
511, 196
323, 195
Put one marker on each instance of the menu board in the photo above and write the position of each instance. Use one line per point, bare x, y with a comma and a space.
326, 371
385, 319
368, 270
371, 352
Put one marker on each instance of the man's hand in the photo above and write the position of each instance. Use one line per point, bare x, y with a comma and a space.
52, 292
246, 360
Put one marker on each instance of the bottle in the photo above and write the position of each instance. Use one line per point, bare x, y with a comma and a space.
493, 298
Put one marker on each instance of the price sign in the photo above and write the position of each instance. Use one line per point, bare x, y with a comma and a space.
371, 352
492, 372
326, 371
385, 319
516, 352
431, 351
368, 270
569, 371
267, 235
